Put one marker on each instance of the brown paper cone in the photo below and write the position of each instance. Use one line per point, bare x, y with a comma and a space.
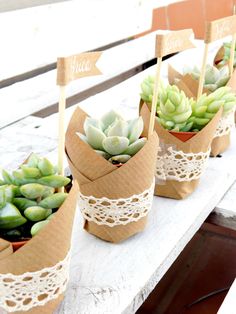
190, 86
219, 56
198, 143
46, 249
99, 178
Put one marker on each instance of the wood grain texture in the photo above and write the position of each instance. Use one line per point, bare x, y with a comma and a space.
65, 28
229, 304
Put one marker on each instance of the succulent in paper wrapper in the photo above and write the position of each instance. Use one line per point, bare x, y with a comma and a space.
175, 109
226, 56
176, 112
147, 89
28, 197
206, 107
214, 78
114, 138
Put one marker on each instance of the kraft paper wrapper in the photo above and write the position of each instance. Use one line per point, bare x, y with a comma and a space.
98, 177
190, 87
46, 249
198, 143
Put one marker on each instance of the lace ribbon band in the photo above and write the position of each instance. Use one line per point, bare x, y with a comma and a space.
23, 292
114, 212
225, 125
180, 166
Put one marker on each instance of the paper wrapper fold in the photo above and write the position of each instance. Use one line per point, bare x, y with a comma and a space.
198, 143
99, 178
190, 86
49, 247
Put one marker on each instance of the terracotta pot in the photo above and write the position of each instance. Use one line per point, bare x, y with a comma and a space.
183, 136
18, 244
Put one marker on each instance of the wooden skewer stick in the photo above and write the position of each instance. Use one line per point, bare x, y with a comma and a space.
232, 49
61, 131
203, 71
155, 96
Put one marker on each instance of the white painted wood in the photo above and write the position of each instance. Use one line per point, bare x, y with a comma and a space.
227, 206
34, 37
29, 96
229, 304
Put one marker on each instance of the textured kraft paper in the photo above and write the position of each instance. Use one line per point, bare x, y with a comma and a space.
174, 41
46, 249
99, 178
198, 143
77, 66
190, 86
220, 28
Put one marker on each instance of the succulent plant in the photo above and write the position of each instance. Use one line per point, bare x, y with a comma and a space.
28, 198
206, 107
114, 138
147, 89
175, 109
214, 78
226, 56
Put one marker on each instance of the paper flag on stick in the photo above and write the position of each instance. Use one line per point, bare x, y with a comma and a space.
221, 28
77, 66
173, 42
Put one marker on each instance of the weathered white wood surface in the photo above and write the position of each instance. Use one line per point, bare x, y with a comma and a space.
37, 36
227, 206
229, 304
108, 278
29, 96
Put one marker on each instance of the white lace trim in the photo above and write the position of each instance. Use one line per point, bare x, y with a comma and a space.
23, 292
225, 125
115, 212
180, 166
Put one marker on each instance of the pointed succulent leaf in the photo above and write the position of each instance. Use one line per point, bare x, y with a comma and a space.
10, 217
119, 128
95, 137
136, 146
82, 137
115, 145
103, 154
109, 118
135, 129
94, 122
119, 159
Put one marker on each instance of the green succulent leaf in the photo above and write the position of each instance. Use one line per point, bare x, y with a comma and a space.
115, 145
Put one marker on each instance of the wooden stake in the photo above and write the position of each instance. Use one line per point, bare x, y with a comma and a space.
232, 50
155, 96
61, 131
232, 54
203, 71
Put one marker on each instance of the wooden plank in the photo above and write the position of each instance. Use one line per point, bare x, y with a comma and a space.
46, 36
10, 5
29, 96
229, 304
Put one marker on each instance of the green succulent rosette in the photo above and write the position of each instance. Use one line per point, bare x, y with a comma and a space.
174, 110
114, 138
214, 77
28, 198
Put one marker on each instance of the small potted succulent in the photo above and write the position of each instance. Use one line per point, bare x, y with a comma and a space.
35, 235
115, 170
29, 199
215, 79
223, 55
185, 128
